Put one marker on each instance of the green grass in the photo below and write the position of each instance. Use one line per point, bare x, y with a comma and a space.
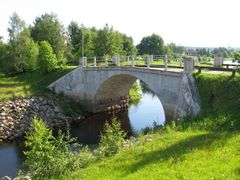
30, 83
35, 84
206, 147
172, 155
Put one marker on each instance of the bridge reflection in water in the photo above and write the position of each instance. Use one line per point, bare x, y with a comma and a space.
148, 111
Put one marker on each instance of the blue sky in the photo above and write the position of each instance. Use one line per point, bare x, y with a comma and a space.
206, 23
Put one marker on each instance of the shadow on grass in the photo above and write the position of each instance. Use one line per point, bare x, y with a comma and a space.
176, 151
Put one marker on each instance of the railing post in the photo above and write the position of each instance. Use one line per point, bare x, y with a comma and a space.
95, 61
118, 60
199, 69
165, 62
127, 60
85, 61
81, 62
148, 61
132, 60
139, 57
188, 65
151, 58
180, 61
218, 61
106, 63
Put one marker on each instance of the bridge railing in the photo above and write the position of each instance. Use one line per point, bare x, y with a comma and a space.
148, 61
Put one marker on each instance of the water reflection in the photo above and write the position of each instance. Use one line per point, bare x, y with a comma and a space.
11, 158
88, 132
148, 111
144, 114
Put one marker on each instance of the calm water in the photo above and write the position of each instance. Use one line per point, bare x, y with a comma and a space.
137, 117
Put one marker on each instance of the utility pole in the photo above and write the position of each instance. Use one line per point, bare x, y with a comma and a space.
82, 44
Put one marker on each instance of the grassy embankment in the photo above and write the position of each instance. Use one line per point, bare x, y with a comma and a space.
35, 84
207, 147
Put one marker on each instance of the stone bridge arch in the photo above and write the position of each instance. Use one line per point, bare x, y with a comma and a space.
98, 87
116, 89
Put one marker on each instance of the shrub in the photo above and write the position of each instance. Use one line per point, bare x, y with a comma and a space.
49, 157
85, 157
111, 139
47, 59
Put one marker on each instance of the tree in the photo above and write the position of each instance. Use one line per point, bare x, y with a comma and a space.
47, 59
236, 55
3, 51
108, 42
221, 51
153, 44
16, 26
82, 38
128, 46
48, 28
21, 54
167, 50
176, 49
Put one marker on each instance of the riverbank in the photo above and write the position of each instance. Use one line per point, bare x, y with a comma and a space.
206, 147
25, 95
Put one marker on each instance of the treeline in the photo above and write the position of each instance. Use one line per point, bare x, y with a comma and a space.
47, 44
220, 51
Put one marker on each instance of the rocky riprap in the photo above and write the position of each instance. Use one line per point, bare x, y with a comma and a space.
16, 116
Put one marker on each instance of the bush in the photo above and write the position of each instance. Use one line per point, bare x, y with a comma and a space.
111, 139
49, 157
85, 157
47, 59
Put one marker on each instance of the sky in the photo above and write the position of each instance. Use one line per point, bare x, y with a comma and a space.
198, 23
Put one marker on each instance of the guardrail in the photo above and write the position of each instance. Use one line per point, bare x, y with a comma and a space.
200, 68
149, 61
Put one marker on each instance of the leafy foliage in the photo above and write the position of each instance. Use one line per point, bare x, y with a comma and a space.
49, 157
236, 55
16, 26
48, 28
153, 44
105, 41
47, 59
21, 54
221, 51
112, 138
135, 94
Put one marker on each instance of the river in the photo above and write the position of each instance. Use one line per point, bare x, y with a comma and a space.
144, 114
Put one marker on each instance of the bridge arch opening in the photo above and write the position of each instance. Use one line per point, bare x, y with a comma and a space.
116, 89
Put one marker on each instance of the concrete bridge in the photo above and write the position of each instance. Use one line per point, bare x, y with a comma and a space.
100, 87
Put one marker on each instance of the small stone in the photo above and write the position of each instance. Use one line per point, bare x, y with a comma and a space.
6, 178
56, 109
2, 114
9, 118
